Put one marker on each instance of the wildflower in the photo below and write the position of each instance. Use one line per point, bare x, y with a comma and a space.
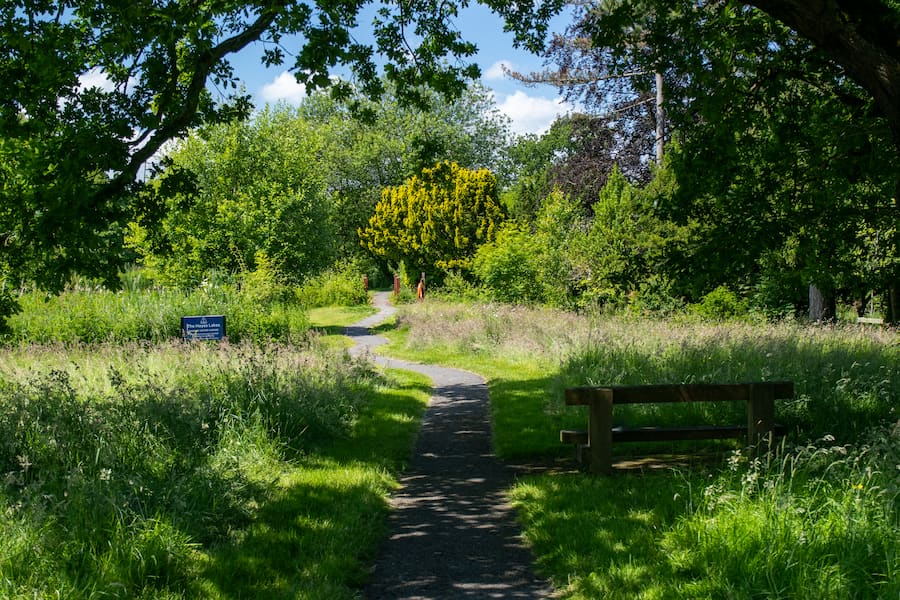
858, 487
105, 474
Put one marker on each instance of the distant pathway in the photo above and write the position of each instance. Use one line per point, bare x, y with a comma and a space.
453, 533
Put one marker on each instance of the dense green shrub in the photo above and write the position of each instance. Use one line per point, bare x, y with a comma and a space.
341, 285
455, 287
721, 303
508, 266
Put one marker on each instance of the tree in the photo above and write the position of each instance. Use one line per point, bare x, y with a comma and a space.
259, 191
859, 36
72, 150
780, 154
362, 158
576, 156
436, 220
862, 38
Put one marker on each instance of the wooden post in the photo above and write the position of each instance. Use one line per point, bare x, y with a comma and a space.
396, 286
600, 433
760, 414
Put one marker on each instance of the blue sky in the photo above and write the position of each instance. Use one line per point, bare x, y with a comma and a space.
531, 109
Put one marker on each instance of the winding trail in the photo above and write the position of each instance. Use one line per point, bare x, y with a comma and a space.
453, 533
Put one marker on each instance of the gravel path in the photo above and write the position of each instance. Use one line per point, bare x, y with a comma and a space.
453, 533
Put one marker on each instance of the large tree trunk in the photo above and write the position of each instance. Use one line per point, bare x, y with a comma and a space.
660, 120
822, 307
892, 310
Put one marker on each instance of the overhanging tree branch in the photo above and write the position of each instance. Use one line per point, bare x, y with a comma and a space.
864, 42
174, 125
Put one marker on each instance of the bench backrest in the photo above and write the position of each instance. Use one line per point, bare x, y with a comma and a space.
692, 392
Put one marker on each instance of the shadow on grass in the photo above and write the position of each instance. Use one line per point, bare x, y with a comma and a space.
599, 537
316, 536
302, 543
522, 425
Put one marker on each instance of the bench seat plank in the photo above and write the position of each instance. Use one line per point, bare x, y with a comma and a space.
665, 434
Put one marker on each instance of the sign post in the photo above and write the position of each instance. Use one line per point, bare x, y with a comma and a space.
206, 327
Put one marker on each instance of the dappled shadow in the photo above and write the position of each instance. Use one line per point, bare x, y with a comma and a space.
304, 520
605, 531
453, 533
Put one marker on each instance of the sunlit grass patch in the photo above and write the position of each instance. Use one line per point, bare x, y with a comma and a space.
98, 315
816, 522
599, 537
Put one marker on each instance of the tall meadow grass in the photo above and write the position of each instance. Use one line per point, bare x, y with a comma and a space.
819, 517
126, 465
847, 379
99, 315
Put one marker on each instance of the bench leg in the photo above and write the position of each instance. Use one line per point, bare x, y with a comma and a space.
760, 416
600, 436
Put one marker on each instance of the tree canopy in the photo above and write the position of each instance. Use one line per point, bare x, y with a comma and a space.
787, 157
71, 150
435, 221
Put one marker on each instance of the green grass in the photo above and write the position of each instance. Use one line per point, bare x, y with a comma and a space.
196, 471
97, 315
327, 323
816, 523
819, 520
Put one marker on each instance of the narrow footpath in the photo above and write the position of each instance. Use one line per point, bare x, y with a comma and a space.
452, 533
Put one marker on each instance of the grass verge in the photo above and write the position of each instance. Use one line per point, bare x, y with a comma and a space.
820, 519
196, 471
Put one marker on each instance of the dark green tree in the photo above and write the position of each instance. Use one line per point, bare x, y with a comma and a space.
780, 152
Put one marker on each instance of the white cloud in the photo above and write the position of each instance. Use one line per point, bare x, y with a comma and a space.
532, 114
284, 87
95, 78
495, 71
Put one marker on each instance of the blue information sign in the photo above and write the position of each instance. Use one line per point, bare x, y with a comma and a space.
207, 327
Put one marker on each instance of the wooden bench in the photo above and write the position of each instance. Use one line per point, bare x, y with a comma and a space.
594, 446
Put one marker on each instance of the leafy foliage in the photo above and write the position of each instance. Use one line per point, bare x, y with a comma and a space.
339, 285
361, 158
435, 220
258, 191
786, 167
508, 266
97, 89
